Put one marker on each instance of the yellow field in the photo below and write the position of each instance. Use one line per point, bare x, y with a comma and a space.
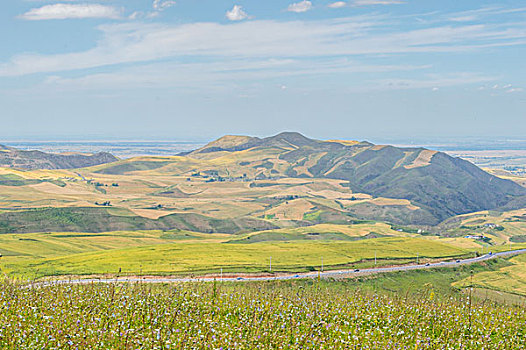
357, 230
43, 245
510, 279
423, 159
202, 257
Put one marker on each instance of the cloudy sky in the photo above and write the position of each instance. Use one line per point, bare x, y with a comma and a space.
195, 70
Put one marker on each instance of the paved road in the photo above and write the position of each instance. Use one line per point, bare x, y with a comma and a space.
292, 276
81, 176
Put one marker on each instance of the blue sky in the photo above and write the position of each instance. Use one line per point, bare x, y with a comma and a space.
195, 70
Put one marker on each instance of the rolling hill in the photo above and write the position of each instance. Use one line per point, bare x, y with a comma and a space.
440, 185
242, 183
101, 219
15, 158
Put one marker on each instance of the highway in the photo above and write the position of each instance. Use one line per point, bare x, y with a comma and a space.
290, 276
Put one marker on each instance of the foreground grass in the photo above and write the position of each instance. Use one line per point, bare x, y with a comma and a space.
277, 315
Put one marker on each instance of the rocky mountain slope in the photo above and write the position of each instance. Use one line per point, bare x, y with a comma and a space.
12, 157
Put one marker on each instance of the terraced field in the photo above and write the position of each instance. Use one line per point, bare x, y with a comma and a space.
150, 197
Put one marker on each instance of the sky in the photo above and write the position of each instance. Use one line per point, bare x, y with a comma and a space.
196, 70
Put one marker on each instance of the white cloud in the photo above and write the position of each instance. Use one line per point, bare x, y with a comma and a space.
481, 13
236, 14
67, 11
352, 36
135, 15
337, 4
464, 18
508, 88
160, 5
435, 81
215, 75
302, 6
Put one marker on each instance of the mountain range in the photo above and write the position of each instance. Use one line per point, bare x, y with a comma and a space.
16, 158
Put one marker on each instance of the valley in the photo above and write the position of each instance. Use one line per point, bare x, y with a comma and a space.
239, 201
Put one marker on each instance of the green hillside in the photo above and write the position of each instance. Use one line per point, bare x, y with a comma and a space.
102, 219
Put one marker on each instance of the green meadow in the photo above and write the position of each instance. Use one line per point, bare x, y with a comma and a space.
152, 256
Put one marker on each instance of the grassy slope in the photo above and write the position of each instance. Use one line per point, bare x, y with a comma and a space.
91, 219
184, 258
510, 279
46, 245
323, 232
441, 281
319, 200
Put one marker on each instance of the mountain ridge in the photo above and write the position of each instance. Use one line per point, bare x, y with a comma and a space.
441, 185
16, 158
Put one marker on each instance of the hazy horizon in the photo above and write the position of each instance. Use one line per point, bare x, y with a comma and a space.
441, 144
